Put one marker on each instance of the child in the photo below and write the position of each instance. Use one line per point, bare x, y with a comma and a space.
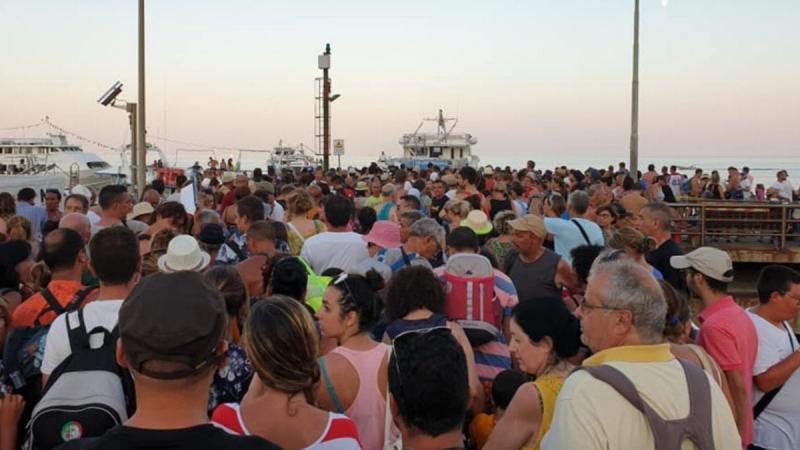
504, 387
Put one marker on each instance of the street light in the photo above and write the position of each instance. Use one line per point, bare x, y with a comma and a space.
109, 98
634, 162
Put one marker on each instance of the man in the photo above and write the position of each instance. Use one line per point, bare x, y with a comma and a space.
241, 182
734, 188
63, 252
425, 240
173, 341
650, 176
632, 199
777, 425
726, 331
338, 247
438, 200
249, 210
622, 320
261, 248
116, 263
577, 231
408, 203
667, 191
429, 388
747, 183
696, 184
36, 214
535, 270
210, 239
116, 203
675, 181
655, 221
76, 203
451, 181
406, 219
781, 189
152, 197
78, 222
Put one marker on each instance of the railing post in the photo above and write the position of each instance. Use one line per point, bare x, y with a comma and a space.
702, 224
784, 210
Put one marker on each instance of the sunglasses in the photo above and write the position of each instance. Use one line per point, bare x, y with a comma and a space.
340, 280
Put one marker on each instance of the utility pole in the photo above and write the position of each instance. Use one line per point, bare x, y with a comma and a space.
141, 141
325, 64
634, 160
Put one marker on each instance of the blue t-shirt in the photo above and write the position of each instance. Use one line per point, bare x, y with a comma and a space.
567, 235
36, 214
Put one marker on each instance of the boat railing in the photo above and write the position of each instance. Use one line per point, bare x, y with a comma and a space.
749, 231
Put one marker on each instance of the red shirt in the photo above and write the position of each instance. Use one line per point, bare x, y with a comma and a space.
729, 336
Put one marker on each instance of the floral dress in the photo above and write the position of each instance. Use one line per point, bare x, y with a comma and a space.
231, 381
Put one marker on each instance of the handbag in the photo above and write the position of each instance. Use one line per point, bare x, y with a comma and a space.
388, 443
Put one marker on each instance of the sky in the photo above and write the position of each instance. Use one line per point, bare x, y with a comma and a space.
717, 77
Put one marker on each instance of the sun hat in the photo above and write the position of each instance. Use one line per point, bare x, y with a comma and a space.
228, 177
384, 234
488, 170
211, 234
531, 223
711, 262
158, 322
140, 209
478, 222
183, 253
362, 186
450, 179
81, 190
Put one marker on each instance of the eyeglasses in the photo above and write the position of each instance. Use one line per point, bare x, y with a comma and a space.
403, 337
587, 307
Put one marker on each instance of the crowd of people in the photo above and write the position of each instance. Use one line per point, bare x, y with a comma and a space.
387, 309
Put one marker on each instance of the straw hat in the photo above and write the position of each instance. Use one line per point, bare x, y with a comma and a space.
362, 186
183, 253
228, 177
140, 209
478, 222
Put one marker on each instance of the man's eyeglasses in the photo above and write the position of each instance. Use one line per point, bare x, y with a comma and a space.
587, 307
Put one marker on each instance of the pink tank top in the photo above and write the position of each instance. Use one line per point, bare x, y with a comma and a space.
369, 407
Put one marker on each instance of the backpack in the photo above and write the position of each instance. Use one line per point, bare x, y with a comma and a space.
86, 395
24, 349
471, 302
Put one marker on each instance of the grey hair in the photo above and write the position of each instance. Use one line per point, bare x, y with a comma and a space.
661, 212
631, 287
428, 228
579, 201
208, 216
388, 190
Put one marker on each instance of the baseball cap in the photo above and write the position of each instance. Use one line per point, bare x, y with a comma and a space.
158, 322
211, 234
530, 222
711, 262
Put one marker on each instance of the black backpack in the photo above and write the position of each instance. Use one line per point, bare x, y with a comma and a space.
86, 395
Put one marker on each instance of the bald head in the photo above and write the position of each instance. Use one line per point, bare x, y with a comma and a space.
79, 223
151, 196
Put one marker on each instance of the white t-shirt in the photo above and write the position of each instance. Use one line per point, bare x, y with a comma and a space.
675, 182
567, 235
277, 212
778, 426
332, 249
101, 313
784, 189
93, 217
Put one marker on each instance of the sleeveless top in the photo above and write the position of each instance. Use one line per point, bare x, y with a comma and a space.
537, 278
369, 406
297, 240
548, 387
339, 434
402, 325
496, 206
383, 214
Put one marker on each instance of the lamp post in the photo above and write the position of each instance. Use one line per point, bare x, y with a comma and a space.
141, 141
634, 148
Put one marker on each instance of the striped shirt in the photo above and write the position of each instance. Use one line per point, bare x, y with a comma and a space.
339, 434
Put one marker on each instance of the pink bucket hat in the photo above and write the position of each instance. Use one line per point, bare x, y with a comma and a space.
384, 234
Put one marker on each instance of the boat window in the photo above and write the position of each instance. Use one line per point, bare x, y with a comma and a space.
54, 150
97, 164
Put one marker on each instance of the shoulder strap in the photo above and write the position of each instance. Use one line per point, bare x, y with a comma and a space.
329, 386
294, 229
52, 305
406, 259
80, 297
387, 419
583, 232
236, 249
76, 331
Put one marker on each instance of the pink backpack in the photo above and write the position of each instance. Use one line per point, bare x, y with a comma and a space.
471, 301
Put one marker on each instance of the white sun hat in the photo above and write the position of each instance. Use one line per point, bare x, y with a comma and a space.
183, 253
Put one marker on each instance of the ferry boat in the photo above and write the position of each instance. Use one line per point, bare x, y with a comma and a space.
51, 156
121, 174
443, 148
295, 158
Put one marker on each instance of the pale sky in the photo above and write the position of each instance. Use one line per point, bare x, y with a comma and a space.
717, 77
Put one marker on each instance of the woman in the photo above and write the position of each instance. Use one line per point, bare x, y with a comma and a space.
158, 247
231, 381
499, 201
636, 245
606, 218
168, 216
354, 373
454, 211
713, 189
415, 301
387, 209
15, 273
299, 225
52, 204
544, 334
502, 245
281, 343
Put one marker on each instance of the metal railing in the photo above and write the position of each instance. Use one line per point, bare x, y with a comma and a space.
750, 231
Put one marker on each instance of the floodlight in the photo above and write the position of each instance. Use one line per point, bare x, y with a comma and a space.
111, 94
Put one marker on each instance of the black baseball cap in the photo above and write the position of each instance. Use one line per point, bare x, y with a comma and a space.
211, 234
172, 317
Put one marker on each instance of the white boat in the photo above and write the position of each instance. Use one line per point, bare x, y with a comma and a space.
121, 173
295, 158
51, 156
443, 148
